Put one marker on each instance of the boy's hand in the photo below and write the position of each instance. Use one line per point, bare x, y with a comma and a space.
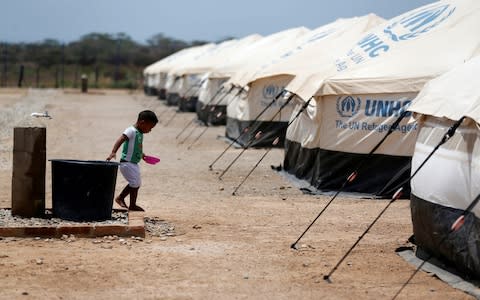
112, 155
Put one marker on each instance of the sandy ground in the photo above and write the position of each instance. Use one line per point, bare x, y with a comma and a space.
227, 247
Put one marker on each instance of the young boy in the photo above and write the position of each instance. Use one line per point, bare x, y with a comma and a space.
132, 153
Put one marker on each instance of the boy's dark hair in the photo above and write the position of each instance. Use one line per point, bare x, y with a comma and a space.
147, 115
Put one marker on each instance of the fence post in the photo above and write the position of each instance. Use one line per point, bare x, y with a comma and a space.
20, 76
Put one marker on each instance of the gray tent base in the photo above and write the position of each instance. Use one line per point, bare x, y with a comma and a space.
214, 115
431, 227
327, 170
439, 269
172, 99
270, 130
307, 188
162, 94
187, 104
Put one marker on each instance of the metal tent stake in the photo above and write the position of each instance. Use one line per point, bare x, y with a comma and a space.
258, 135
246, 129
352, 175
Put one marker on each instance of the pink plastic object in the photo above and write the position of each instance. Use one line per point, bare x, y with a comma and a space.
151, 159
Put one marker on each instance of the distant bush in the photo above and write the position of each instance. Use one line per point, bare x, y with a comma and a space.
109, 60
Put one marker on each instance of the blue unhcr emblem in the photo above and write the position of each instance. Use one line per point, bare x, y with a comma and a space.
348, 106
270, 91
419, 22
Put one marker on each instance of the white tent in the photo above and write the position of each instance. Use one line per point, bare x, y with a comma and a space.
450, 180
318, 48
192, 74
153, 73
376, 79
250, 56
170, 82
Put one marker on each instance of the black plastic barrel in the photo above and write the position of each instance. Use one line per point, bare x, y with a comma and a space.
83, 190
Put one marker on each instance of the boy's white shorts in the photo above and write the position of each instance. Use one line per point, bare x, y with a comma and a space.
131, 172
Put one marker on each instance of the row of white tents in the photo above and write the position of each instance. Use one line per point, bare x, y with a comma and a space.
347, 83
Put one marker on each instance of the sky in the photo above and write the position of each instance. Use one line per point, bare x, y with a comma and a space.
188, 20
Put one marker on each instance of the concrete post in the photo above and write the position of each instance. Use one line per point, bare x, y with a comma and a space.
28, 171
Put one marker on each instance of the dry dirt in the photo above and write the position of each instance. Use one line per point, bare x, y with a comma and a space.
226, 247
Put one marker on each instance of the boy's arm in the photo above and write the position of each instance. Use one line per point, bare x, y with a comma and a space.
117, 145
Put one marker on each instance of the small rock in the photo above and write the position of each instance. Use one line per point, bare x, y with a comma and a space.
25, 293
97, 241
305, 265
432, 290
191, 249
64, 237
37, 238
3, 256
197, 227
349, 264
245, 276
282, 187
163, 238
107, 246
222, 189
284, 199
39, 261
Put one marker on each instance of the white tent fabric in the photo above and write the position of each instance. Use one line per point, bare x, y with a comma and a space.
152, 73
259, 52
315, 48
265, 81
173, 85
219, 56
241, 63
393, 74
427, 27
376, 79
318, 49
403, 54
453, 95
222, 54
450, 180
456, 165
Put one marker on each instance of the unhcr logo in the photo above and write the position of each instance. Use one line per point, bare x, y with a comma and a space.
348, 106
419, 22
270, 91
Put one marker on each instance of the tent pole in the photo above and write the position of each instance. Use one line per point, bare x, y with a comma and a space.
275, 142
206, 125
352, 175
176, 111
246, 129
455, 227
396, 196
256, 136
195, 118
